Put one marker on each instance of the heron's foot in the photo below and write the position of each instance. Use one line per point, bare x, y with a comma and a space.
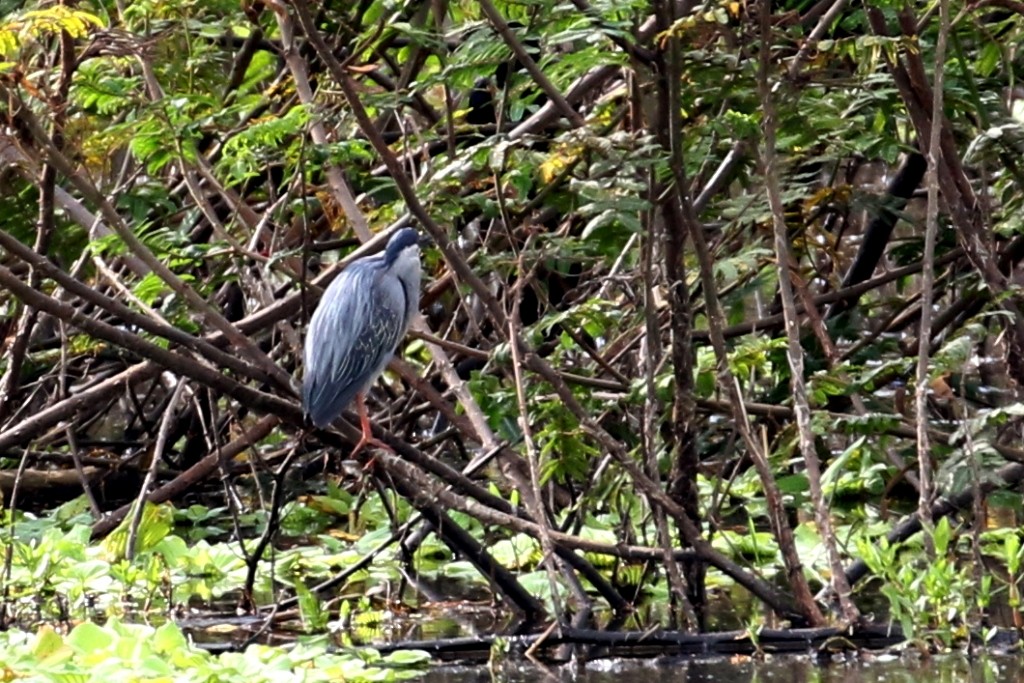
370, 442
367, 438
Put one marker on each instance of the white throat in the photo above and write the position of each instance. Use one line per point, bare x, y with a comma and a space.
408, 260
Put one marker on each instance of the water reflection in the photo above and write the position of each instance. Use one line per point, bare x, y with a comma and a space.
883, 669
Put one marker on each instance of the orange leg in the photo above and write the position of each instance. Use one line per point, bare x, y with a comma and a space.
367, 439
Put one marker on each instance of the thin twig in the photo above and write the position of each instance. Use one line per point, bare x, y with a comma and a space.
524, 58
795, 351
155, 457
300, 74
536, 500
923, 385
812, 40
12, 509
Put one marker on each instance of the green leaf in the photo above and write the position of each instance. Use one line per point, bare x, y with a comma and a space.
87, 637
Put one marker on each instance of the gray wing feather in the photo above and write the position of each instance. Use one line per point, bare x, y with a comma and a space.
351, 337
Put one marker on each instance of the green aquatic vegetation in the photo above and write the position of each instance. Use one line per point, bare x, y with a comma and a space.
1005, 546
517, 552
119, 651
930, 595
759, 546
57, 571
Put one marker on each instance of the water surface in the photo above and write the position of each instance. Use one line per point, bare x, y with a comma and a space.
855, 669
